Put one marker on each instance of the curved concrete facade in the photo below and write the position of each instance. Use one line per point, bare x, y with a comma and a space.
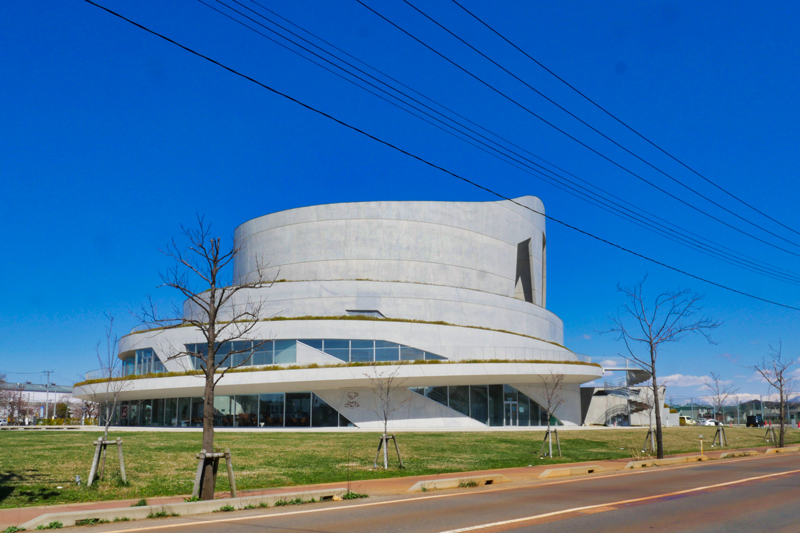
453, 283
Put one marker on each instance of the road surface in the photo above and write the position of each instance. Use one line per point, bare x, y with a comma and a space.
745, 494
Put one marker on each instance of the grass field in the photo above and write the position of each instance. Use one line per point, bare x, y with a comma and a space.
34, 463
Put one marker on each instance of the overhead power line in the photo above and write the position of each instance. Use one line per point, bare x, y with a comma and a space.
571, 114
578, 141
680, 236
430, 164
623, 123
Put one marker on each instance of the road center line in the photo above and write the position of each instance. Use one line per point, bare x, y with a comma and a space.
614, 504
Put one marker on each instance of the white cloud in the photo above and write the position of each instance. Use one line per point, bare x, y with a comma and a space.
681, 380
586, 337
609, 363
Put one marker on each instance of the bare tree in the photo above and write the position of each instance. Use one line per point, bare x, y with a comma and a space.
384, 383
552, 384
673, 315
200, 275
4, 397
107, 392
719, 392
774, 368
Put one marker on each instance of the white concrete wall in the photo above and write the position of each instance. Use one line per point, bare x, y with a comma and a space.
455, 244
415, 301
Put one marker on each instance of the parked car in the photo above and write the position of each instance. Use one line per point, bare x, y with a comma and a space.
700, 421
686, 421
755, 421
712, 422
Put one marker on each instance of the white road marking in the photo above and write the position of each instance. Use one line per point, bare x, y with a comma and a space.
612, 504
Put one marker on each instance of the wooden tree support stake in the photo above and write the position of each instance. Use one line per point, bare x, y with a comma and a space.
769, 436
202, 458
100, 452
720, 435
384, 442
548, 439
650, 439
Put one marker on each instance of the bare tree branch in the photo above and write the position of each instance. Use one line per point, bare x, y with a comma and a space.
643, 331
774, 368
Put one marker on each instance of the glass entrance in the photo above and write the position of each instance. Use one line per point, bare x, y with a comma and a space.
511, 410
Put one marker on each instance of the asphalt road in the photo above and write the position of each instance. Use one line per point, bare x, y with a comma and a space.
747, 494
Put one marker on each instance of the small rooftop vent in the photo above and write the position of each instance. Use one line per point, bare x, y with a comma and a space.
365, 312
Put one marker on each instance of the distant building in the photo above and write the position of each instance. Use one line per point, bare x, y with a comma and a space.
24, 401
455, 289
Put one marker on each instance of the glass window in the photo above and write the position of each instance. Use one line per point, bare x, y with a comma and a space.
387, 351
298, 409
496, 406
133, 413
243, 357
344, 422
340, 349
246, 410
433, 357
158, 366
509, 393
535, 415
129, 366
158, 413
285, 352
262, 354
314, 343
362, 351
479, 403
144, 359
184, 412
197, 412
124, 413
271, 410
459, 399
437, 394
524, 410
323, 415
222, 358
407, 353
223, 413
171, 412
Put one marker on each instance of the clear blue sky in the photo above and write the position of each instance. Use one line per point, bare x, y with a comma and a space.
112, 138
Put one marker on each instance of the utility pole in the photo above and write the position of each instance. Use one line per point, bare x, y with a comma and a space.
47, 400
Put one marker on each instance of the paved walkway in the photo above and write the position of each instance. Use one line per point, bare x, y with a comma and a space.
373, 487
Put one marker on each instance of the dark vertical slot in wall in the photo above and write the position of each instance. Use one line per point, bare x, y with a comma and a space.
523, 284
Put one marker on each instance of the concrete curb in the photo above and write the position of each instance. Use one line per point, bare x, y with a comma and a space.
781, 450
182, 509
665, 462
746, 453
576, 471
454, 483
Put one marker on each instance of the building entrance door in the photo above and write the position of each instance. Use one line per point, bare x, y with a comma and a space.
511, 418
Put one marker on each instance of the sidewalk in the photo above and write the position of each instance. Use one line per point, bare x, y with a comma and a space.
373, 487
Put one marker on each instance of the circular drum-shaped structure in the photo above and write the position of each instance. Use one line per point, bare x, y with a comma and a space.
452, 293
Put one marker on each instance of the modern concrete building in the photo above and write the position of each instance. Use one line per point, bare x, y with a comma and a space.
453, 292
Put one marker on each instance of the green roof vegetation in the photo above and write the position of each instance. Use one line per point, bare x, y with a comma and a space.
272, 368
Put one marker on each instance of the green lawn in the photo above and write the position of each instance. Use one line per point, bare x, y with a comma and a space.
34, 463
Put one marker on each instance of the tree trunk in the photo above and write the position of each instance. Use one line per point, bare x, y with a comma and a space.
657, 406
207, 480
